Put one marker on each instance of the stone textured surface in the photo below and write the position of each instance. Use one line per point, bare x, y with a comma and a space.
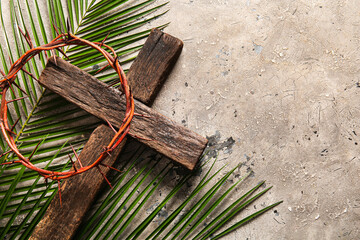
276, 85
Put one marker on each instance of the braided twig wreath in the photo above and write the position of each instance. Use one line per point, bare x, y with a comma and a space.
62, 40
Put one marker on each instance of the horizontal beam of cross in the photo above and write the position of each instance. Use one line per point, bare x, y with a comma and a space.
150, 127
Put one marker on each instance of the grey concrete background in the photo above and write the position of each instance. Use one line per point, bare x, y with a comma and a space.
274, 85
281, 79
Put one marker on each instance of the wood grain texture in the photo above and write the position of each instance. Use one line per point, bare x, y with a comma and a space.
153, 64
78, 193
153, 129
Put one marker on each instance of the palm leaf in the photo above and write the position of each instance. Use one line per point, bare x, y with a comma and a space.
125, 215
44, 114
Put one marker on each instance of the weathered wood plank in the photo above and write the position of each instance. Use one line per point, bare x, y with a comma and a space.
57, 223
78, 193
153, 129
155, 62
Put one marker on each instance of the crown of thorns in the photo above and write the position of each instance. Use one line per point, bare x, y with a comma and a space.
8, 83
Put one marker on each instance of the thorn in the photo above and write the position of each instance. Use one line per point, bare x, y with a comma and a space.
59, 190
11, 132
102, 42
12, 162
3, 154
104, 176
2, 73
63, 53
35, 149
46, 182
56, 30
106, 150
19, 88
16, 122
17, 99
105, 165
142, 115
12, 89
77, 156
61, 33
110, 125
21, 31
30, 74
27, 37
11, 62
102, 68
72, 162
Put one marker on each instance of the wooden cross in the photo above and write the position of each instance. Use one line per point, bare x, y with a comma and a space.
146, 76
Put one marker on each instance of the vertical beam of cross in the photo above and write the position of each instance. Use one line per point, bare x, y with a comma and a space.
146, 76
